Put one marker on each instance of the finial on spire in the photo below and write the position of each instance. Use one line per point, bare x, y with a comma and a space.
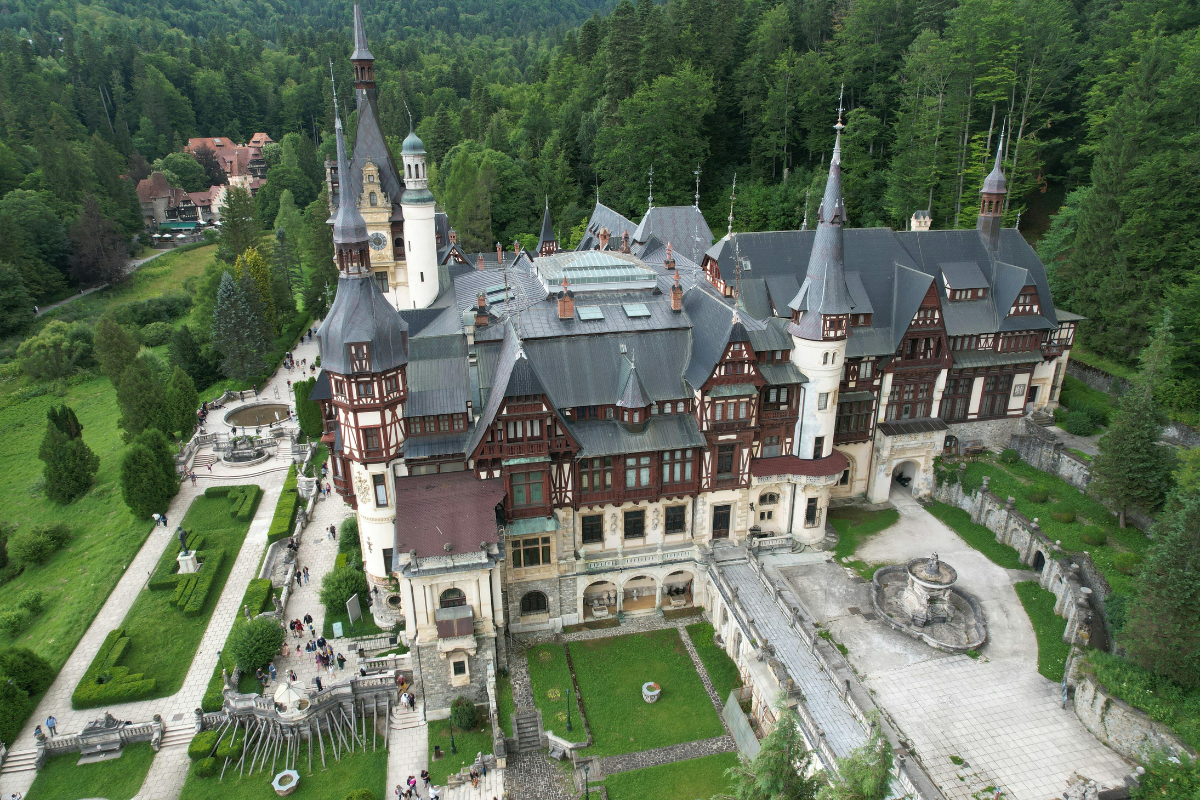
333, 83
841, 109
696, 172
804, 224
732, 197
650, 198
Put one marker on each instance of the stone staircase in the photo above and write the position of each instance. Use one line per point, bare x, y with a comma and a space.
1041, 418
205, 458
19, 761
402, 719
527, 726
177, 737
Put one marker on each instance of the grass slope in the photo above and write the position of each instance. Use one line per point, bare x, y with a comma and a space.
855, 526
976, 535
722, 671
611, 672
1047, 626
682, 780
505, 705
550, 678
121, 779
357, 770
468, 743
1165, 701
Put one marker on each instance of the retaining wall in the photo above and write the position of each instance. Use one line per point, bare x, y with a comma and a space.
1122, 727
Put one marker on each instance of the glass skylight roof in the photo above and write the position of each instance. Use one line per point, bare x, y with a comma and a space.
590, 312
636, 310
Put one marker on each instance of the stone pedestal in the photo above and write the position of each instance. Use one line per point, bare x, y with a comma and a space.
188, 563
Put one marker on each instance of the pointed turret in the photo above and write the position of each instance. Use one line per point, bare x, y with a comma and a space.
823, 303
548, 243
349, 227
361, 58
991, 201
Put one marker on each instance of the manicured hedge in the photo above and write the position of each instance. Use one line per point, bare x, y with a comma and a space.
257, 596
243, 502
284, 521
218, 491
119, 685
202, 744
204, 581
165, 574
231, 746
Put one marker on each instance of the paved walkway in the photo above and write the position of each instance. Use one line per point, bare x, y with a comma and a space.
996, 714
133, 264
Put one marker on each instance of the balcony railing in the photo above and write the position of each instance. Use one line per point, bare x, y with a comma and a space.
639, 557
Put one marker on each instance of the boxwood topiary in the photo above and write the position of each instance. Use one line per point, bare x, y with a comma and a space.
1038, 494
463, 713
206, 767
1062, 515
1127, 563
1094, 536
202, 744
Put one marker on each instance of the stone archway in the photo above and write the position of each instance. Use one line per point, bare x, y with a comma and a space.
639, 594
678, 589
904, 476
599, 601
1039, 562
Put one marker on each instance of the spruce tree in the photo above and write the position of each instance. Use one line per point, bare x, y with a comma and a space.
181, 403
141, 396
16, 304
145, 488
1132, 468
237, 332
1163, 630
285, 276
115, 349
70, 464
239, 225
252, 270
185, 352
780, 770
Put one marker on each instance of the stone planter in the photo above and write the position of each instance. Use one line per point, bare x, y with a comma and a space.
286, 782
651, 691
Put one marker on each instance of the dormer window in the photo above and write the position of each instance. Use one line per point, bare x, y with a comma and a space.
1027, 302
860, 320
370, 179
967, 294
360, 357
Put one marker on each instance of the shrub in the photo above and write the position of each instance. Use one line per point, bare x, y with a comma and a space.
463, 713
157, 334
1038, 494
218, 491
283, 522
360, 794
206, 767
339, 585
1097, 415
231, 746
15, 708
254, 642
1094, 536
1064, 515
243, 501
32, 601
28, 670
1127, 563
340, 561
1079, 423
1010, 456
35, 545
348, 534
104, 683
257, 596
155, 309
202, 745
203, 583
14, 620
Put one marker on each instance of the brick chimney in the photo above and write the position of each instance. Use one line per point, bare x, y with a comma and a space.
481, 314
499, 253
453, 236
604, 234
669, 261
625, 241
479, 262
677, 295
566, 302
516, 247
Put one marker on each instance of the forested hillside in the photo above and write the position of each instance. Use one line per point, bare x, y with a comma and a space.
520, 101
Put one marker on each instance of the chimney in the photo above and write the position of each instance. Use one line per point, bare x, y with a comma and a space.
479, 262
499, 254
516, 247
677, 295
566, 302
669, 261
481, 314
625, 241
921, 221
453, 236
604, 234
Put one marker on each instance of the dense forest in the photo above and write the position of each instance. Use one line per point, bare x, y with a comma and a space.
520, 102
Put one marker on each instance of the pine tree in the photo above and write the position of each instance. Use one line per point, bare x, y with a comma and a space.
1132, 469
237, 332
141, 396
16, 304
285, 276
101, 251
1163, 630
185, 352
181, 403
865, 774
115, 349
70, 464
239, 225
780, 770
146, 490
252, 271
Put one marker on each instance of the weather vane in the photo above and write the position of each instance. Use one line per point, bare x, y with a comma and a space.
732, 197
650, 198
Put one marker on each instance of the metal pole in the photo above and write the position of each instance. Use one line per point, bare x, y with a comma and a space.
453, 748
568, 707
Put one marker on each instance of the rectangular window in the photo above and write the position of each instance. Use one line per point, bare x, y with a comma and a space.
725, 459
593, 529
460, 667
443, 422
366, 389
719, 412
864, 370
772, 395
460, 422
742, 409
637, 471
810, 513
770, 446
822, 401
414, 426
676, 519
527, 488
677, 466
783, 395
819, 447
532, 552
391, 385
596, 474
371, 439
381, 497
635, 524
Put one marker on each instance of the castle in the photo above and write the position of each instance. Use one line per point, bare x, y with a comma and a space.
559, 437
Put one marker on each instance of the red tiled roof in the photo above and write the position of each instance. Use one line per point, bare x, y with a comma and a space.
154, 186
454, 507
792, 465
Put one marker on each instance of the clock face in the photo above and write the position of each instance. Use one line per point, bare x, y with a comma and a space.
378, 241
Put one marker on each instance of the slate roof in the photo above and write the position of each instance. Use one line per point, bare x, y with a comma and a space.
662, 432
425, 526
439, 444
963, 275
900, 427
633, 394
605, 217
833, 464
360, 313
547, 229
361, 51
438, 377
321, 389
349, 227
683, 227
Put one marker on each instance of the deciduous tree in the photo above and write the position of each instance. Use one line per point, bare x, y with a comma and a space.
57, 351
100, 252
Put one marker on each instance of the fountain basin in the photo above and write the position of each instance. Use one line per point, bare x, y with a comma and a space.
935, 611
257, 414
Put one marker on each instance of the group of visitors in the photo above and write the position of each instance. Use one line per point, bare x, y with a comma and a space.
301, 576
408, 790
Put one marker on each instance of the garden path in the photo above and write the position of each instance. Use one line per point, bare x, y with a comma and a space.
130, 267
996, 713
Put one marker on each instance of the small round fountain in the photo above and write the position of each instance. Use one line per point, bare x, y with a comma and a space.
245, 452
921, 600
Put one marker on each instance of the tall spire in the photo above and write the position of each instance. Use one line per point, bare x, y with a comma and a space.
732, 197
650, 197
349, 227
361, 51
995, 182
824, 299
991, 201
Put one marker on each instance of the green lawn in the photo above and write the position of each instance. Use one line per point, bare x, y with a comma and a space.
550, 678
1016, 480
1047, 626
62, 779
611, 672
976, 535
468, 743
504, 703
854, 526
682, 780
357, 770
362, 627
163, 641
722, 671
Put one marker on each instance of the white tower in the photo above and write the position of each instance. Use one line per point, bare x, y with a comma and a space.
420, 238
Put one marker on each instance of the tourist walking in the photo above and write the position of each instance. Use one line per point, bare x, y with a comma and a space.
425, 777
306, 576
271, 669
52, 725
333, 532
341, 659
192, 475
317, 681
412, 702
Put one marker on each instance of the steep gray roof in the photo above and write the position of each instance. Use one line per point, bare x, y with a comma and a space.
349, 227
438, 377
995, 182
547, 229
633, 394
439, 444
503, 363
605, 217
662, 432
963, 275
683, 227
370, 145
588, 370
361, 51
361, 314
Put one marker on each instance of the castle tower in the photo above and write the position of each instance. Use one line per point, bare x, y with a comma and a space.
363, 61
991, 202
821, 318
419, 233
364, 353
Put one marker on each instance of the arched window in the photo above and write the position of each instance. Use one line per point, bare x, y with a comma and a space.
835, 358
679, 407
408, 170
825, 358
768, 499
452, 598
374, 199
534, 603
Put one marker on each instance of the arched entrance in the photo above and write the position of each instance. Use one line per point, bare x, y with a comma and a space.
600, 600
904, 475
1039, 562
534, 604
677, 590
639, 594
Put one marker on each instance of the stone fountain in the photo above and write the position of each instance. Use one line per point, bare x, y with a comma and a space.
920, 599
926, 598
